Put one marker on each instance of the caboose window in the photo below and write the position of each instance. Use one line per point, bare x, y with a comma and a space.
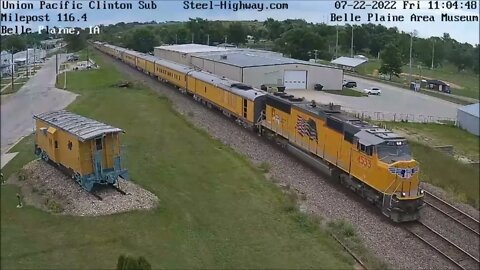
70, 144
98, 143
56, 144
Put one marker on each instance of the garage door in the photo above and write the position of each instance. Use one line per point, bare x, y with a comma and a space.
295, 79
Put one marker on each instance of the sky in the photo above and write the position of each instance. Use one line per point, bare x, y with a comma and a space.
311, 11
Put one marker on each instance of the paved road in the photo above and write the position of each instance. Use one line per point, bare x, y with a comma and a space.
394, 102
36, 96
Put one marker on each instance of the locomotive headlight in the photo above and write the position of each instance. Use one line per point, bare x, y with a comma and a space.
421, 191
404, 194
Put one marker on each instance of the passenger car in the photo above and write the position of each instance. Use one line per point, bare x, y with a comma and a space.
349, 84
373, 91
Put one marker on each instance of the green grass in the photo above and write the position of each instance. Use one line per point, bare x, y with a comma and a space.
216, 209
467, 81
439, 169
464, 143
348, 236
9, 90
347, 92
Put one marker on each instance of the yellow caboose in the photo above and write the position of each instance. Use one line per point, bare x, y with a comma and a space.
86, 149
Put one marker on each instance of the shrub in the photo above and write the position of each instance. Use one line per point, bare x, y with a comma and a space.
131, 263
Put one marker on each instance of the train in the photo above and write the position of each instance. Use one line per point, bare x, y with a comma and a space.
374, 162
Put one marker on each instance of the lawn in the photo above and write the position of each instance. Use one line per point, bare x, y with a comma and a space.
465, 83
9, 90
439, 169
216, 209
438, 135
442, 170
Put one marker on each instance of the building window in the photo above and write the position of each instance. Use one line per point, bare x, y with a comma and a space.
56, 144
98, 143
70, 145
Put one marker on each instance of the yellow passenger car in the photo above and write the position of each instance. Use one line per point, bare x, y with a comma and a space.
89, 151
239, 100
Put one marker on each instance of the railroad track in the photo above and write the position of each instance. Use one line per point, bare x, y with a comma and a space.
442, 245
460, 217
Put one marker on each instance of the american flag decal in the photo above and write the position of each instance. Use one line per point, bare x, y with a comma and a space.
306, 128
403, 172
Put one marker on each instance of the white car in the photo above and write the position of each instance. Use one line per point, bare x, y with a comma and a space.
373, 91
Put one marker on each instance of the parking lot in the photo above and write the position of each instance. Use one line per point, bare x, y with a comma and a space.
393, 104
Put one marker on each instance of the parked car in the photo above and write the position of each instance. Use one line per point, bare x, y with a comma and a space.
373, 91
318, 87
349, 84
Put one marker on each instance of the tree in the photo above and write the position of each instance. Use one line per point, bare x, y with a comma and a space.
391, 61
13, 41
131, 263
142, 40
298, 42
237, 33
76, 42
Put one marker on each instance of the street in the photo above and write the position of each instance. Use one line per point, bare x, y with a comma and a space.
36, 96
394, 102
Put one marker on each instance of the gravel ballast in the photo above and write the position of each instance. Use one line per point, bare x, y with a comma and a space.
45, 187
385, 239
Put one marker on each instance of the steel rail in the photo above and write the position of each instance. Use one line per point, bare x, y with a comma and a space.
474, 224
458, 262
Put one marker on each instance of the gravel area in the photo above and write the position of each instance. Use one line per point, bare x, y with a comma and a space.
443, 195
385, 239
45, 187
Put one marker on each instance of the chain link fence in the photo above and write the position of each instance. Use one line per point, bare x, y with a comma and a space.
402, 117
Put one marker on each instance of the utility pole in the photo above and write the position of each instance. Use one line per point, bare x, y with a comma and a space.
176, 38
193, 35
225, 41
336, 45
351, 46
13, 66
208, 39
34, 57
26, 62
56, 67
315, 55
65, 72
433, 52
411, 45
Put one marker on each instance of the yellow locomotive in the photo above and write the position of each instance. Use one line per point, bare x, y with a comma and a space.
374, 162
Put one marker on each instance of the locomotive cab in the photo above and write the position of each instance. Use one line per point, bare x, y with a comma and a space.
398, 174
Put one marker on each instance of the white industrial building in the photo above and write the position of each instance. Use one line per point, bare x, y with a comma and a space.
468, 118
254, 67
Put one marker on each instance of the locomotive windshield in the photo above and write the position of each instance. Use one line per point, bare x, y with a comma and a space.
392, 151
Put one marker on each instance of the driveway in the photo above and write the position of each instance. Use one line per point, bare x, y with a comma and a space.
36, 96
393, 104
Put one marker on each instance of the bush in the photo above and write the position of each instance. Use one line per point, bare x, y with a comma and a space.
131, 263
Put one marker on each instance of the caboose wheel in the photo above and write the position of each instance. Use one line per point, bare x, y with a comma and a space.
45, 157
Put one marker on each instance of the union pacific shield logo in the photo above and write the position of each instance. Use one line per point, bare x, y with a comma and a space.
403, 172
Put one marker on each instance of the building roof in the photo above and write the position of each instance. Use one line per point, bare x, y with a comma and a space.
79, 126
348, 61
247, 59
191, 48
229, 85
472, 109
